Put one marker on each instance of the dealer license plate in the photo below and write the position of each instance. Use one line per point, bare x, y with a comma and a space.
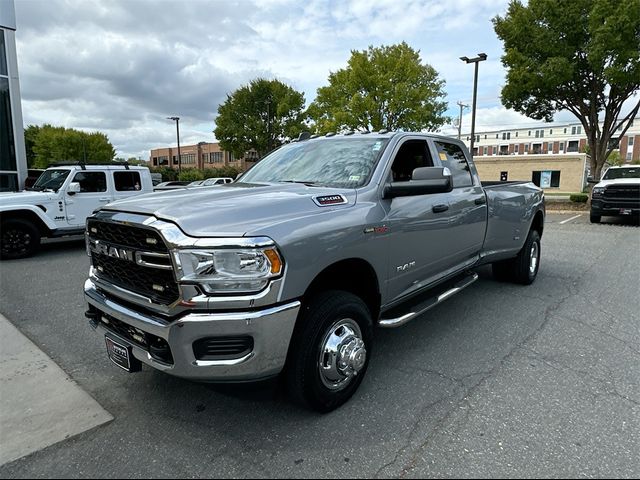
121, 355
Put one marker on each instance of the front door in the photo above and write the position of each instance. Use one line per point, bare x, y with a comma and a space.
93, 194
419, 244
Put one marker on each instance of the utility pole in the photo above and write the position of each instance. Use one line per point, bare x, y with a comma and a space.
177, 120
461, 105
480, 58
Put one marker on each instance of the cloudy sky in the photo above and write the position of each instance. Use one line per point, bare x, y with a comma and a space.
123, 66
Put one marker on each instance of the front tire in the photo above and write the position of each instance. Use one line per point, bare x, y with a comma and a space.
18, 239
595, 218
330, 350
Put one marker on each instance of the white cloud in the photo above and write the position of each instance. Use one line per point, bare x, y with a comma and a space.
123, 66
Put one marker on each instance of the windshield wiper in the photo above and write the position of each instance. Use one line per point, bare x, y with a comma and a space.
305, 182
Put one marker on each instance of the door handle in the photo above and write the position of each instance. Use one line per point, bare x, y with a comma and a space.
480, 200
104, 199
440, 208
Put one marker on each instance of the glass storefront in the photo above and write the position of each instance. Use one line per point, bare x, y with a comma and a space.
8, 169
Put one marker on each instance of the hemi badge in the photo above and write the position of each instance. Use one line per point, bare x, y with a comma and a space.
94, 230
152, 241
158, 288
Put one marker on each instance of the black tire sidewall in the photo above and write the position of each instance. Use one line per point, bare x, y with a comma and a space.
318, 316
27, 228
524, 275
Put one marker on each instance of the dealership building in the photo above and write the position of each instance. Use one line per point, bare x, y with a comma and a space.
552, 156
13, 160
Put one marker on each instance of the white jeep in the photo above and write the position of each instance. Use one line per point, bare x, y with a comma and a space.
60, 201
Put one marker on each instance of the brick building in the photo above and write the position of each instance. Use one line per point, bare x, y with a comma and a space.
558, 139
202, 156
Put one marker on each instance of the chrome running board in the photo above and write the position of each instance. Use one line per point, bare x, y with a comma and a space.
418, 309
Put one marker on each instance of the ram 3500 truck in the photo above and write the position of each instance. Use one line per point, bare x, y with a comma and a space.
289, 269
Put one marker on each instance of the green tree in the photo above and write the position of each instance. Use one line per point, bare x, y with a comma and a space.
30, 135
381, 88
57, 144
260, 116
582, 56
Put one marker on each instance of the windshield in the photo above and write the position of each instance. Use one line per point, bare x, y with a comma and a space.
336, 162
614, 173
51, 179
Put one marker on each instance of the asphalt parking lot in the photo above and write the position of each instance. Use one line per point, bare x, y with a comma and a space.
499, 381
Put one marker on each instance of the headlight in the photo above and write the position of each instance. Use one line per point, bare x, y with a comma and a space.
597, 191
229, 270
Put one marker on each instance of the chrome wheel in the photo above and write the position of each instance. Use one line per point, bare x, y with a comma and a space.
342, 354
533, 257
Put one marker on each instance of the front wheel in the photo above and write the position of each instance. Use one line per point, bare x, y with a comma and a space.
595, 218
330, 350
18, 239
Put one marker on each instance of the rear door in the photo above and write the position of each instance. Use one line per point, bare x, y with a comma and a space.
467, 204
93, 193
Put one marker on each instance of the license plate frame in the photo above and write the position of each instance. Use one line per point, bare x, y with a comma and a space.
122, 355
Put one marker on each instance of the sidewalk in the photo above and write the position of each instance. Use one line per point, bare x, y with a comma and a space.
39, 404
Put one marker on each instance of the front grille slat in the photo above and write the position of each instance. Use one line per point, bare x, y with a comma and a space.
157, 284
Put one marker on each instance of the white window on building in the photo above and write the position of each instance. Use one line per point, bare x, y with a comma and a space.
573, 146
495, 150
631, 141
550, 132
629, 156
516, 148
216, 157
526, 148
561, 149
486, 151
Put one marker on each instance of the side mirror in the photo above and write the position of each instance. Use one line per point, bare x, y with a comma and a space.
74, 187
591, 180
425, 180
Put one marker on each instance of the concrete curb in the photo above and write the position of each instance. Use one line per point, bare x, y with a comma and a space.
39, 403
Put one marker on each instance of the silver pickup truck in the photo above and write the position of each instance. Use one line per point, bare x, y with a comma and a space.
289, 269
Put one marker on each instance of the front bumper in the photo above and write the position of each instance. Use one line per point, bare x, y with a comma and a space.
271, 329
607, 207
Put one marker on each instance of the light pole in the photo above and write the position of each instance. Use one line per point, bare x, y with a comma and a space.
177, 120
461, 105
480, 58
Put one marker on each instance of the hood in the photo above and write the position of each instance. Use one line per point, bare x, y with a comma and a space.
619, 181
235, 209
26, 197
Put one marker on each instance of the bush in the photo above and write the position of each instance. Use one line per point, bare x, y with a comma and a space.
579, 197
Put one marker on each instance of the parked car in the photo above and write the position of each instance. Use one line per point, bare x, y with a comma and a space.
216, 181
617, 194
196, 183
288, 270
32, 176
60, 201
173, 185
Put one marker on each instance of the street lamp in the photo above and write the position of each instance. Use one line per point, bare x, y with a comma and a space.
177, 120
480, 58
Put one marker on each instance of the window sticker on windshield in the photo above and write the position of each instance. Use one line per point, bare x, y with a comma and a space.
354, 178
443, 156
377, 146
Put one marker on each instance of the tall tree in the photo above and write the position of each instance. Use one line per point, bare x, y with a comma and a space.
259, 116
30, 135
57, 144
582, 56
381, 88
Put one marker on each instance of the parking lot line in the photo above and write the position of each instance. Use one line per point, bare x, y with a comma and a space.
569, 219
